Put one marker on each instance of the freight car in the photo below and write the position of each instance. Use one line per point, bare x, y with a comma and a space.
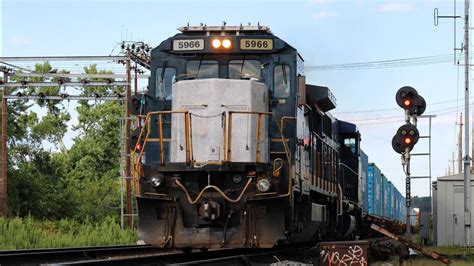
234, 149
381, 199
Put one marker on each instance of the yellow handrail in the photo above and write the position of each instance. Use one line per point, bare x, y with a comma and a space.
145, 134
227, 138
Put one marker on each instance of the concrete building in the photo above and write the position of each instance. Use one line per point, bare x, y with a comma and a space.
448, 210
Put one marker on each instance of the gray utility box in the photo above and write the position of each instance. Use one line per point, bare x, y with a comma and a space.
209, 102
448, 210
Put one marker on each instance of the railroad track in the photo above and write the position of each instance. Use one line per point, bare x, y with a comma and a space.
59, 255
120, 255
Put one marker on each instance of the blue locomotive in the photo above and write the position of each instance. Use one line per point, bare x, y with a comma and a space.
234, 149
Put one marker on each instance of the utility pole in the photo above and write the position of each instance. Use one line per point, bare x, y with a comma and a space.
472, 144
4, 177
128, 172
467, 159
459, 145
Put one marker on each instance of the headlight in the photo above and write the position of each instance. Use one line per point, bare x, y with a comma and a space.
237, 178
263, 185
226, 43
216, 43
156, 181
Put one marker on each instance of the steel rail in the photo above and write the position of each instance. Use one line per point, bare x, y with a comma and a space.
211, 257
50, 255
138, 254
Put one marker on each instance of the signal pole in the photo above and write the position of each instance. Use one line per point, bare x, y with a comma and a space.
406, 159
406, 138
467, 160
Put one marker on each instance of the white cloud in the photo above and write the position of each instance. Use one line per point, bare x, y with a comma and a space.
323, 15
18, 40
395, 7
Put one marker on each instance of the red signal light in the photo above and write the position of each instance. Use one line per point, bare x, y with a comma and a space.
138, 147
406, 102
407, 140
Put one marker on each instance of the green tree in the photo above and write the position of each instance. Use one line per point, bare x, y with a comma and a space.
36, 176
82, 184
95, 156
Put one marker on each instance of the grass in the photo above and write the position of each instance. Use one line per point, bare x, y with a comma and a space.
423, 261
28, 233
456, 254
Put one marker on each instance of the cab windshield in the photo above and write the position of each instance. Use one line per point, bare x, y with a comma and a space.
245, 69
202, 69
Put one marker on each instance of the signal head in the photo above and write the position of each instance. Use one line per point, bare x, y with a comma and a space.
409, 99
135, 144
406, 137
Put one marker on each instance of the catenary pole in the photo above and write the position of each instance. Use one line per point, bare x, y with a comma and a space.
4, 177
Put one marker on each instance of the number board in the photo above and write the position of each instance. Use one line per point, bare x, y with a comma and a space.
256, 44
188, 45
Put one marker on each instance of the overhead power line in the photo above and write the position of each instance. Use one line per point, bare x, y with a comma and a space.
392, 63
390, 109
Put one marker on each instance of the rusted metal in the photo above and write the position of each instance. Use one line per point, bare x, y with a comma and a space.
187, 132
410, 244
344, 253
128, 172
259, 125
224, 135
196, 200
210, 210
4, 178
160, 129
229, 139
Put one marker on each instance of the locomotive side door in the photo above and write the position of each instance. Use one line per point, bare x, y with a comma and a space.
302, 160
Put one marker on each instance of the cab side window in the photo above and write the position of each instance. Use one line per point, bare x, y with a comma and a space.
165, 77
281, 81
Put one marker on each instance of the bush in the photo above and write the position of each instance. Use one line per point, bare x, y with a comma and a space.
28, 233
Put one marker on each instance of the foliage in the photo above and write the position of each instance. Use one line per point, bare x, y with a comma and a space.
423, 203
28, 233
80, 183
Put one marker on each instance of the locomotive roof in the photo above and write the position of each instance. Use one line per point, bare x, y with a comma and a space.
226, 29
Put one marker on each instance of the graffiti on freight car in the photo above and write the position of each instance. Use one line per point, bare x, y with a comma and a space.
344, 253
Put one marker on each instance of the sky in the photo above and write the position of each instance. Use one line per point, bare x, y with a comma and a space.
325, 32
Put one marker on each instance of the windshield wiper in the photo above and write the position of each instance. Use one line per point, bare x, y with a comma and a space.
199, 68
242, 67
285, 78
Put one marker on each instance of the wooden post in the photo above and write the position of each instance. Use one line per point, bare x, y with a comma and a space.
410, 244
128, 172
